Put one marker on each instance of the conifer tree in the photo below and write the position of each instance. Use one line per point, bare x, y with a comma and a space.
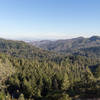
65, 82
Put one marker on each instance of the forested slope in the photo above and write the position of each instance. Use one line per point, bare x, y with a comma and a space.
80, 46
25, 50
30, 73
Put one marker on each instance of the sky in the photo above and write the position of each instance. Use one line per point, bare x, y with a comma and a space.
49, 19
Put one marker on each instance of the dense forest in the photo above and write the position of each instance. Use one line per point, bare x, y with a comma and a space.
31, 73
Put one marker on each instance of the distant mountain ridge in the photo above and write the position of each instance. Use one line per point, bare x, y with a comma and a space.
78, 45
51, 49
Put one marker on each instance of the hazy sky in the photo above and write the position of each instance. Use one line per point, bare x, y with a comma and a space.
48, 19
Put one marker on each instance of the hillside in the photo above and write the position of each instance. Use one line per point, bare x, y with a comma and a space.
78, 45
25, 50
31, 73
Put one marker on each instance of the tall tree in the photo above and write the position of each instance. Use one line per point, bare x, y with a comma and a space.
65, 82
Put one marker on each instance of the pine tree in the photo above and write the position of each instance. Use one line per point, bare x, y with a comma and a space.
65, 82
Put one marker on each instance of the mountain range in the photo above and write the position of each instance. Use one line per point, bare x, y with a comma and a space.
82, 46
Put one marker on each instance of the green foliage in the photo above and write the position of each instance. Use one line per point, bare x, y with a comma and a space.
36, 79
28, 89
21, 49
65, 82
27, 72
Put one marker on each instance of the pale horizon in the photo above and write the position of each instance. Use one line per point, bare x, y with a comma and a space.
49, 37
